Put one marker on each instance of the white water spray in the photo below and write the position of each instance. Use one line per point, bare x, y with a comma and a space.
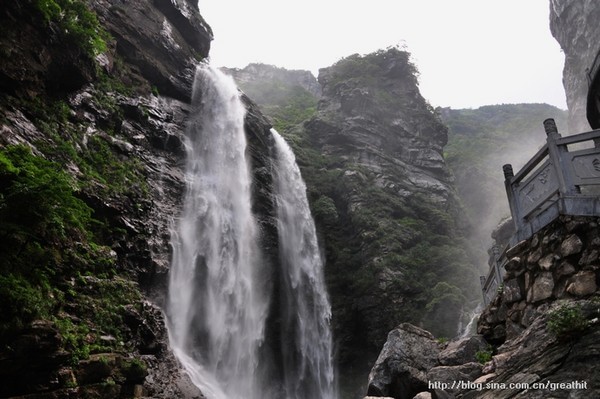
218, 289
217, 300
469, 329
307, 343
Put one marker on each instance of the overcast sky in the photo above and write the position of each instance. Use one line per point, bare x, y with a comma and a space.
469, 52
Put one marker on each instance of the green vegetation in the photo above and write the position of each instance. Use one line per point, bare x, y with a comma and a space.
367, 69
55, 263
51, 260
100, 165
287, 104
324, 209
76, 23
485, 356
567, 321
65, 279
135, 370
480, 141
45, 234
496, 134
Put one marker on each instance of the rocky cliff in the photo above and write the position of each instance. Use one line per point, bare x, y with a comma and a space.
370, 150
95, 98
395, 253
542, 328
572, 24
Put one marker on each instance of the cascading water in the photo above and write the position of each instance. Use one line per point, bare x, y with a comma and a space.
217, 300
473, 317
307, 344
219, 292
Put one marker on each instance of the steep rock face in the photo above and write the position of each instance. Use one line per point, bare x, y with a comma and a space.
376, 118
164, 40
385, 207
383, 143
370, 152
102, 332
572, 23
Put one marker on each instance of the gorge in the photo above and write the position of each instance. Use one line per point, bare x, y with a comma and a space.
158, 238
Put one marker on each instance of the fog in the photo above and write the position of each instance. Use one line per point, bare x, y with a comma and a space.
469, 52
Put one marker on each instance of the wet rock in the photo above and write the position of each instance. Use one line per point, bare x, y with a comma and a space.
582, 284
513, 264
542, 287
536, 355
163, 39
570, 24
571, 245
462, 351
97, 368
565, 269
32, 360
534, 256
400, 369
449, 374
546, 262
512, 290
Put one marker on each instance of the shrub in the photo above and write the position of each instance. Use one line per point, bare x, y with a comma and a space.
76, 23
324, 209
567, 321
37, 199
484, 356
135, 371
45, 237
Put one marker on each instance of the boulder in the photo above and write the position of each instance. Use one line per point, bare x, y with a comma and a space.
401, 368
450, 374
571, 245
462, 351
512, 290
582, 284
542, 287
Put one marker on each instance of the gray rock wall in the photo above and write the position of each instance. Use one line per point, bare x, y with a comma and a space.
541, 328
559, 262
574, 25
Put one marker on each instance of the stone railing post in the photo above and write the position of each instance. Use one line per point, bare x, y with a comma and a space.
559, 159
513, 201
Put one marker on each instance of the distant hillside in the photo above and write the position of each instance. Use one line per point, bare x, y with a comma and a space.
287, 97
480, 141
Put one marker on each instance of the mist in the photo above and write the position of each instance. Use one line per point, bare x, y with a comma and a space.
480, 142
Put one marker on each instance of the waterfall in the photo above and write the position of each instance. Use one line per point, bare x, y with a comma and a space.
307, 346
473, 317
219, 286
218, 302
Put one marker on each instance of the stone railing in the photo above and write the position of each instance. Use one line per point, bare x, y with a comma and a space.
559, 179
493, 281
